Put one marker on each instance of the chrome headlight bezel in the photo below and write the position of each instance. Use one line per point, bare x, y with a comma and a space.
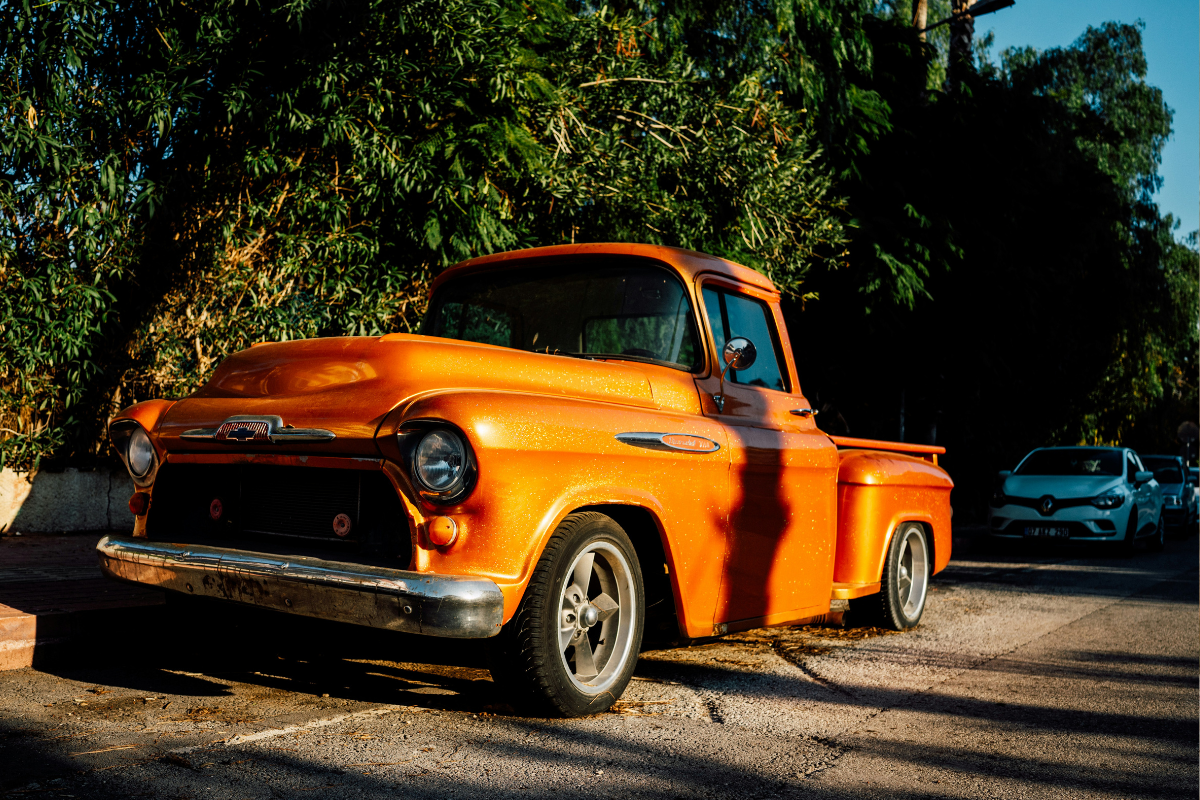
412, 435
126, 435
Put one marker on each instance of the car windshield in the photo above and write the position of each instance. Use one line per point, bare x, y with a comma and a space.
602, 307
1073, 461
1166, 470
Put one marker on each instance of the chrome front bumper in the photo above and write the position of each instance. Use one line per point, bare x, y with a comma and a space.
378, 597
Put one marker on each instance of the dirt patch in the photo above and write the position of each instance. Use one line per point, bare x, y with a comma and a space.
804, 641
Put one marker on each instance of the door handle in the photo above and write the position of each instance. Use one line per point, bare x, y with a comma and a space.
804, 412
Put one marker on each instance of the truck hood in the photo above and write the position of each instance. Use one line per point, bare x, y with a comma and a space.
347, 385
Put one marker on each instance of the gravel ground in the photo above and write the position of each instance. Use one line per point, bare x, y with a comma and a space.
1038, 673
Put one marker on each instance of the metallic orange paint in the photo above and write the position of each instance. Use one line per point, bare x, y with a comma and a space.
765, 529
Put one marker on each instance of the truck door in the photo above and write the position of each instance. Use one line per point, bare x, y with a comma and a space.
783, 475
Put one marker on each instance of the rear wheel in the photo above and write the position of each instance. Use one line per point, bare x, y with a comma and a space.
572, 645
905, 582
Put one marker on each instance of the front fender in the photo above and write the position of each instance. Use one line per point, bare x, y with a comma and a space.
541, 457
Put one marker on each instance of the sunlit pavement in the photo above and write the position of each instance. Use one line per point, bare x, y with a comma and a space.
1047, 673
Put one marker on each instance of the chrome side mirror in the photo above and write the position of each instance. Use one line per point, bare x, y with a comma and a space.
739, 353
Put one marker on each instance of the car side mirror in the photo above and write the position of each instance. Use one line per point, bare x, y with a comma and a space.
1004, 473
739, 353
1144, 476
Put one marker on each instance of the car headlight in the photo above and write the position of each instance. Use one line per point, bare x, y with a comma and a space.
440, 461
998, 499
1113, 498
140, 455
1171, 500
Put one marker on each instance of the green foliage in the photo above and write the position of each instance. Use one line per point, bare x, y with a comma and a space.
178, 181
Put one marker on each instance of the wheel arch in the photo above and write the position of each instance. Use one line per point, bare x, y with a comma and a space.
926, 523
649, 540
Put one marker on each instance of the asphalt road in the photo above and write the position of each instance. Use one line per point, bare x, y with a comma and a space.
1045, 673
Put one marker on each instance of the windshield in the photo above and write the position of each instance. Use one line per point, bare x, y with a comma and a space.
1073, 461
1166, 470
614, 307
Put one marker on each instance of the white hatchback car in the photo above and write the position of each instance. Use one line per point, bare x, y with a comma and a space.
1080, 494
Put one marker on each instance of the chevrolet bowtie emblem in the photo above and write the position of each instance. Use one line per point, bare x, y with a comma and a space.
260, 430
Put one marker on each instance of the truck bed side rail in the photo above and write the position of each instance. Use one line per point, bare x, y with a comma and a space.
929, 452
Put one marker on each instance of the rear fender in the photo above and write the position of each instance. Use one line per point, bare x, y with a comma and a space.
878, 491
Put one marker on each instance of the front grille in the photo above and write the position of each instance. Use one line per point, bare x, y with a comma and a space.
301, 502
281, 510
1036, 502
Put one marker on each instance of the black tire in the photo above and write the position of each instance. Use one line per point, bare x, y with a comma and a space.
904, 587
1128, 545
534, 659
1159, 540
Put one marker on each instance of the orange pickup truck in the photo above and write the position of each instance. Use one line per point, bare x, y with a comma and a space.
585, 444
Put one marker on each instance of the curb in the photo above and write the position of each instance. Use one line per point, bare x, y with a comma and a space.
42, 623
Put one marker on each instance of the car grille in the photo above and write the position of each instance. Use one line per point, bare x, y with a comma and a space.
280, 509
287, 501
1036, 502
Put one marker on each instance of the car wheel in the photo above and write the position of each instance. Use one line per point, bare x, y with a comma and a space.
905, 582
1159, 539
572, 645
1129, 543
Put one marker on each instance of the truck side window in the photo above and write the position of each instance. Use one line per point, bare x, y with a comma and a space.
731, 315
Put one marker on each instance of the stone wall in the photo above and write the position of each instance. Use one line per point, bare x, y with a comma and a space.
57, 502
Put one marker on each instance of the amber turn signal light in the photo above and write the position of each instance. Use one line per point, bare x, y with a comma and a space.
442, 531
139, 504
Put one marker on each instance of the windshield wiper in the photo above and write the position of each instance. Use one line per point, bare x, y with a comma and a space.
621, 356
546, 351
641, 359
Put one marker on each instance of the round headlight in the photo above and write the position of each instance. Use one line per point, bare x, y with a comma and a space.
440, 460
141, 454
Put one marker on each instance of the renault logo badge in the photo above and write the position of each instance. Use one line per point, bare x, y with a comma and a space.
1047, 504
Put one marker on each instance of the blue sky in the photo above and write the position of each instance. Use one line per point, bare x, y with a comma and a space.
1172, 44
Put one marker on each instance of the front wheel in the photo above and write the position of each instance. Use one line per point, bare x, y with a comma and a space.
1129, 543
1159, 539
905, 581
572, 645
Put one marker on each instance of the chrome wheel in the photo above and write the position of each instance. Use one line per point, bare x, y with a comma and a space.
573, 644
912, 573
595, 623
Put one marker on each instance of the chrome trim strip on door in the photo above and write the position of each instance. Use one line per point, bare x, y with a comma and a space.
655, 441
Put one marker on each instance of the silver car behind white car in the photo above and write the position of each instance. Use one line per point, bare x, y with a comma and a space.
1079, 494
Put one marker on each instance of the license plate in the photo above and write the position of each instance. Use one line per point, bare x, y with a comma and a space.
1048, 531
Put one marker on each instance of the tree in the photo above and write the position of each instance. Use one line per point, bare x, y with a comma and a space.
177, 182
1057, 307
